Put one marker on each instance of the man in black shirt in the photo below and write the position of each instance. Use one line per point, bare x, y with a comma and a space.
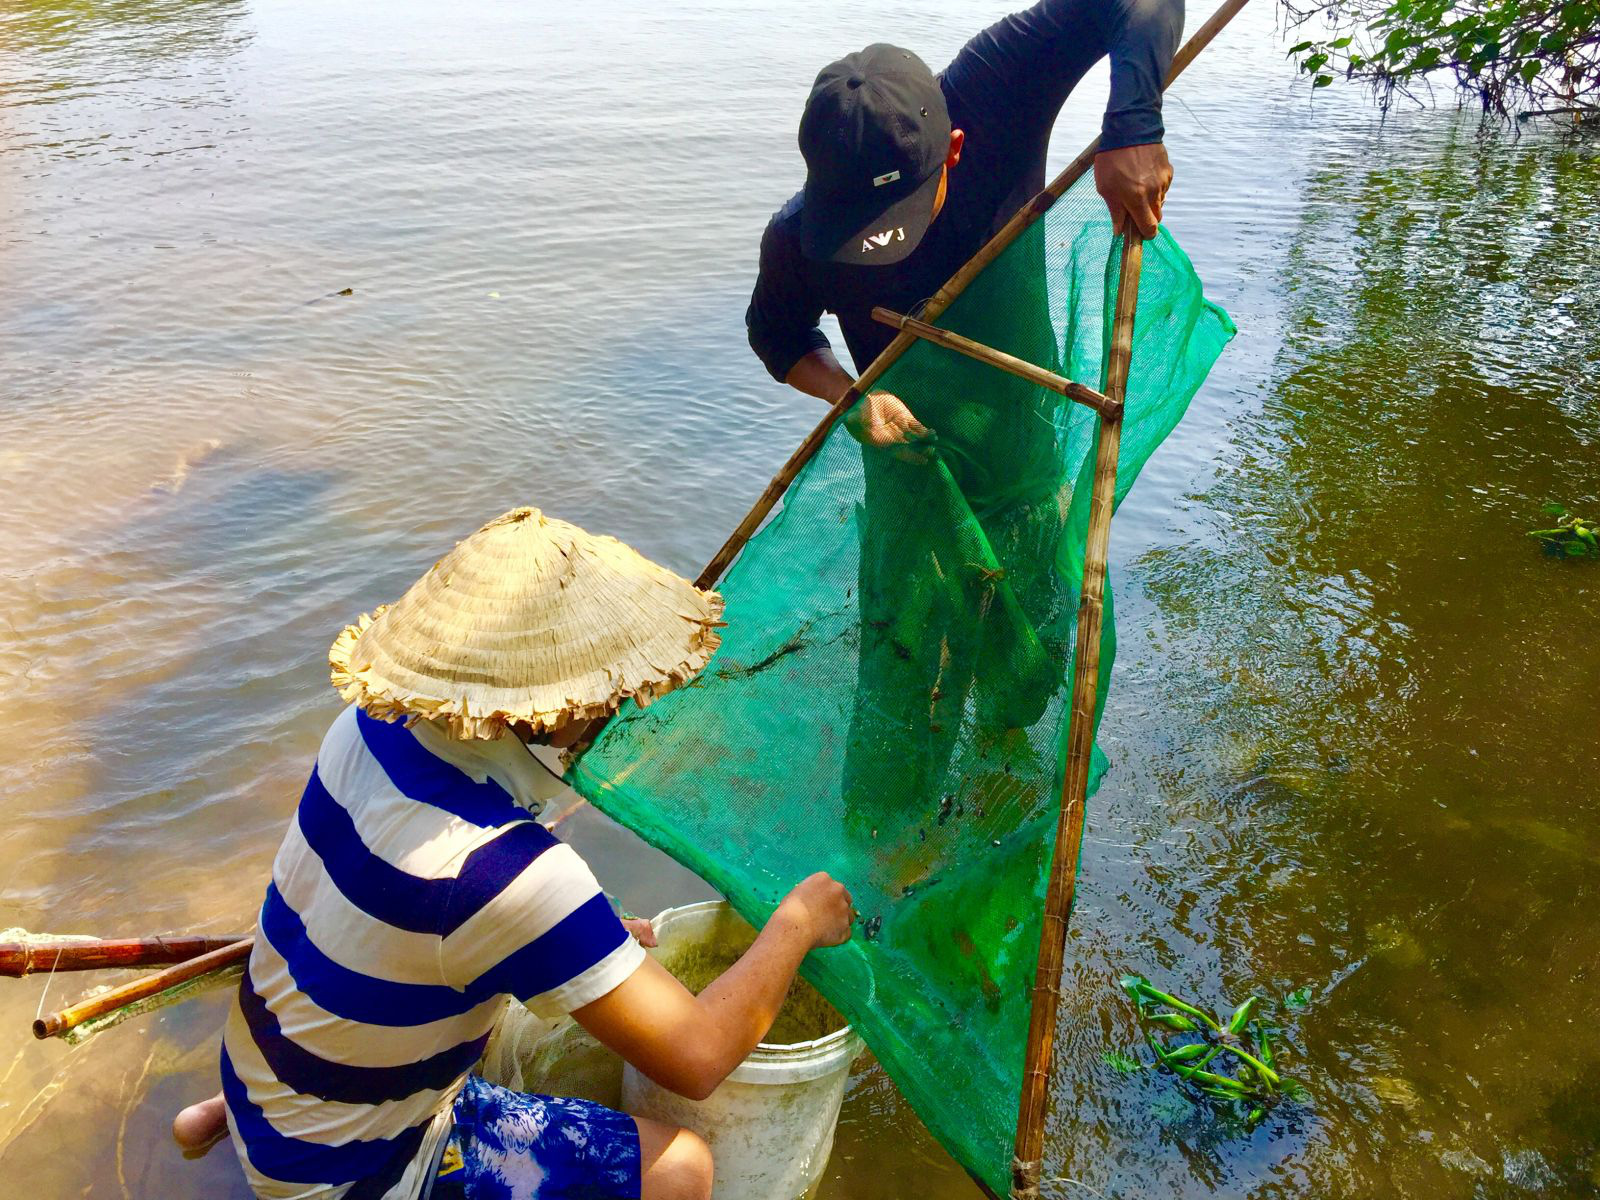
933, 166
908, 175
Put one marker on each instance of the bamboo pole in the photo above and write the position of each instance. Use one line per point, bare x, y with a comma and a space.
998, 359
941, 300
75, 954
779, 484
140, 989
1080, 744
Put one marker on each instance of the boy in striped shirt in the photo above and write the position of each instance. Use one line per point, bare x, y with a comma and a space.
414, 892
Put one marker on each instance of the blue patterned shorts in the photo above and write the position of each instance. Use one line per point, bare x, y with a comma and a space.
514, 1146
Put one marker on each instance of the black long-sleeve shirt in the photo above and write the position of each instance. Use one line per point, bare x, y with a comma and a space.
1004, 88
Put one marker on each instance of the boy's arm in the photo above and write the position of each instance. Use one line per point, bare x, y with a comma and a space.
781, 320
1010, 82
690, 1043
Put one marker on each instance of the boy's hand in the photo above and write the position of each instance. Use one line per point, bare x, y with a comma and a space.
820, 904
1133, 181
883, 420
643, 932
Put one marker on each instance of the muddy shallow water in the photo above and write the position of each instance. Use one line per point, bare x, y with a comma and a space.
1354, 709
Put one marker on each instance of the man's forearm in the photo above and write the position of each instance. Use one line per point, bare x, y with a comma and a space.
819, 374
1146, 37
690, 1043
740, 1007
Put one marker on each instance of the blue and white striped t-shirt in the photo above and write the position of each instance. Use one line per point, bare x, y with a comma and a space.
412, 894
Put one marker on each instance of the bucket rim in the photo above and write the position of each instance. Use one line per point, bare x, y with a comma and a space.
787, 1055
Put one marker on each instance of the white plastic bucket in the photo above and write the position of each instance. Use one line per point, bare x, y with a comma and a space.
771, 1123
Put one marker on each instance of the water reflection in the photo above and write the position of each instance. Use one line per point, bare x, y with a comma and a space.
1375, 779
101, 78
153, 29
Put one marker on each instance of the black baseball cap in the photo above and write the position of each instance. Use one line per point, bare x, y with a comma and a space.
874, 135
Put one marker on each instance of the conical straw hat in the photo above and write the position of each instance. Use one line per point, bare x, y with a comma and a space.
528, 620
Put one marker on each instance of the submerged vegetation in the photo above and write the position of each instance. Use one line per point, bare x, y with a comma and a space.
1572, 537
1232, 1061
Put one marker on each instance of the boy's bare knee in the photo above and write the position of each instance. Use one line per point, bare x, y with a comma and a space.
200, 1126
694, 1163
675, 1163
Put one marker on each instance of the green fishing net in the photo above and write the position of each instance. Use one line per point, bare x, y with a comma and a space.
889, 702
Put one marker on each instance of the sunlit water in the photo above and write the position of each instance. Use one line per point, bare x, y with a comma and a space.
1354, 715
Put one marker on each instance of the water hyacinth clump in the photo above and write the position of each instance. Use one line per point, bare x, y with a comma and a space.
1231, 1061
1572, 537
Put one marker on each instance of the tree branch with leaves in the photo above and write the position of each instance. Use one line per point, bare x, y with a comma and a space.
1515, 57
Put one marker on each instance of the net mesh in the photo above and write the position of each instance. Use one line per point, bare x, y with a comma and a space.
889, 702
212, 981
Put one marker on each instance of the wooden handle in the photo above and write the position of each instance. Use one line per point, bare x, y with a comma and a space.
1080, 745
998, 359
98, 1006
25, 958
769, 496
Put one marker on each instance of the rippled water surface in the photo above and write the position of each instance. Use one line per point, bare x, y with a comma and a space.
1355, 710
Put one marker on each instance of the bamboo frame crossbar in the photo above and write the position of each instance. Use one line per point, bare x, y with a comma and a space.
88, 954
1000, 360
55, 1024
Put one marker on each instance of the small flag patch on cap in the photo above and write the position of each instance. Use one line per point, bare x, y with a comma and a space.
883, 179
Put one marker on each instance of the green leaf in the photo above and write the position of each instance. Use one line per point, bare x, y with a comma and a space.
1553, 509
1294, 1090
1301, 47
1135, 986
1156, 996
1117, 1060
1322, 81
1298, 999
1250, 1065
1340, 43
1212, 1079
1575, 549
1241, 1015
1174, 1021
1186, 1053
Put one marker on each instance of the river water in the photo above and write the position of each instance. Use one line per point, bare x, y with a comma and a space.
1354, 715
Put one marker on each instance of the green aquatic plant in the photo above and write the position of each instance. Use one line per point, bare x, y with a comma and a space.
1231, 1060
1572, 537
